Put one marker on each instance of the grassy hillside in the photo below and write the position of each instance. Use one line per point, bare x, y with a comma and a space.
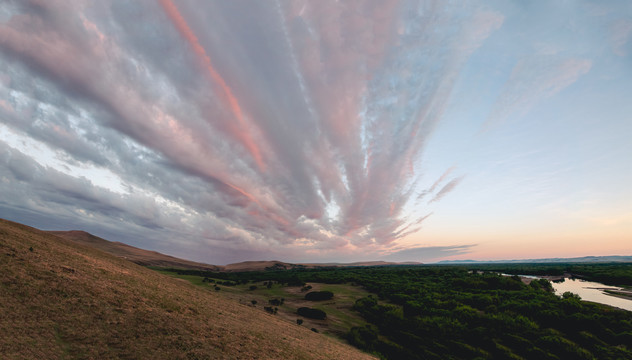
60, 299
133, 254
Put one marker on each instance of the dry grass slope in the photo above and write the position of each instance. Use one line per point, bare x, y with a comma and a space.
65, 300
133, 254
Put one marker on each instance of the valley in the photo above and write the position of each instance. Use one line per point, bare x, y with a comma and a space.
64, 298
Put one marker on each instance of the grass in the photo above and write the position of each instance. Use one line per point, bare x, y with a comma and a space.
340, 316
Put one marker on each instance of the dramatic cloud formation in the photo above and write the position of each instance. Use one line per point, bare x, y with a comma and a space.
230, 130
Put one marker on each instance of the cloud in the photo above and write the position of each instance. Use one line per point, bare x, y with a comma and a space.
275, 130
451, 185
428, 253
620, 33
532, 80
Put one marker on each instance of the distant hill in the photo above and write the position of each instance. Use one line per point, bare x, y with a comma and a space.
61, 299
280, 265
133, 254
259, 266
584, 259
153, 258
363, 263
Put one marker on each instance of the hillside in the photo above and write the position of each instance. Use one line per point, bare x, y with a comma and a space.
60, 299
133, 254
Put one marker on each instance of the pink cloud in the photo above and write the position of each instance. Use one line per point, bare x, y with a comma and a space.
300, 125
447, 188
241, 131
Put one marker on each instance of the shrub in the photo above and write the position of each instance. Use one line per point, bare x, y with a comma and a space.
312, 313
253, 287
276, 302
319, 295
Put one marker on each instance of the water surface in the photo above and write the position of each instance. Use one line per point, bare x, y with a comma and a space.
592, 291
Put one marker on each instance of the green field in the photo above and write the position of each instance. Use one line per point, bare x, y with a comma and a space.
340, 315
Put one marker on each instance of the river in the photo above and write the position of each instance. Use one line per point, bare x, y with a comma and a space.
592, 291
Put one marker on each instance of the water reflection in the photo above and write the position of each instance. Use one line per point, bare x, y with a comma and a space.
592, 291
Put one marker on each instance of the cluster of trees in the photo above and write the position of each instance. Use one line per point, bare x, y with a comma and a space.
276, 302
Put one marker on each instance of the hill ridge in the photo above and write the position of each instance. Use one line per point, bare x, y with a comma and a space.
134, 254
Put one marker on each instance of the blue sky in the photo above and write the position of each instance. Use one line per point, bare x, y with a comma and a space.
322, 131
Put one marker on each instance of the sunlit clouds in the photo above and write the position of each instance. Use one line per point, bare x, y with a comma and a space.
226, 130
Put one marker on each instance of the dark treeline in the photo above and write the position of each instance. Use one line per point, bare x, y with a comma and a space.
607, 273
468, 312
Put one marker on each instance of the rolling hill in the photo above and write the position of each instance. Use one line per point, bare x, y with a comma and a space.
153, 258
61, 299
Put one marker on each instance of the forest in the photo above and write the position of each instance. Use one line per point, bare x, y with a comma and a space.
471, 311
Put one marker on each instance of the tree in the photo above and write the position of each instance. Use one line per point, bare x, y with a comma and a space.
571, 296
319, 295
312, 313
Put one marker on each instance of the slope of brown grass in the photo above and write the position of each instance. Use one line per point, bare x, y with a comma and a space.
65, 300
134, 254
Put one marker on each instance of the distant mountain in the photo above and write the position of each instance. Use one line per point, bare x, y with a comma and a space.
62, 299
584, 259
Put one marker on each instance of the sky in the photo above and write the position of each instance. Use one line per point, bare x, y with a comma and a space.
318, 131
